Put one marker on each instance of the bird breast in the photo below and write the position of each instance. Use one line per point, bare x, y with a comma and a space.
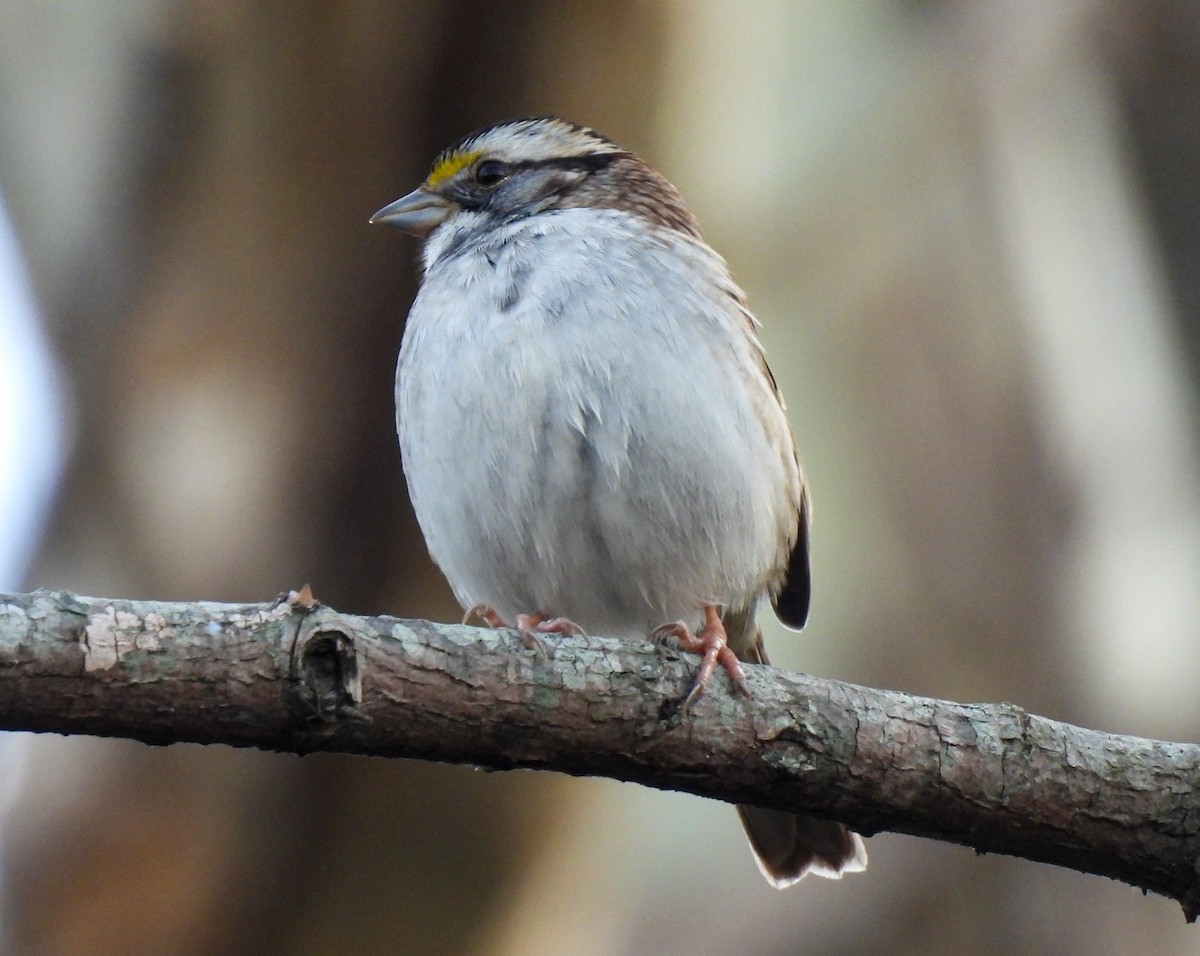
581, 417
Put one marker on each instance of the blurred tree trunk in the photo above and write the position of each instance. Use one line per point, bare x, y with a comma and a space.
1155, 49
235, 298
895, 172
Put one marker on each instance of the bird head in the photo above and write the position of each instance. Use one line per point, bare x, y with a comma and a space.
528, 166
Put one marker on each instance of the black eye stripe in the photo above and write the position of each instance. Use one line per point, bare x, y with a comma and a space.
476, 193
588, 163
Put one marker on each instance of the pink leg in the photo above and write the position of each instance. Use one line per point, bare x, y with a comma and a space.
529, 626
542, 624
712, 643
485, 613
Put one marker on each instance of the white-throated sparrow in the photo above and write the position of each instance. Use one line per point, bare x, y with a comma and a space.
589, 428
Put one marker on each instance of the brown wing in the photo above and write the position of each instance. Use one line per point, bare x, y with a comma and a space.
791, 603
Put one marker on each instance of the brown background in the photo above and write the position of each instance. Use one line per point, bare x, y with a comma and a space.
970, 230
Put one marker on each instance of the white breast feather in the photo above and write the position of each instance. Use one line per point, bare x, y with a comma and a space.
571, 407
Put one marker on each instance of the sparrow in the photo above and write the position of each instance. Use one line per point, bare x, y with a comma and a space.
592, 438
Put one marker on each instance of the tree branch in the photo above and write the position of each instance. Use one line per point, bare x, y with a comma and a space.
295, 676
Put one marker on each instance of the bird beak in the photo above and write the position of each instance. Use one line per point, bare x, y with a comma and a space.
417, 213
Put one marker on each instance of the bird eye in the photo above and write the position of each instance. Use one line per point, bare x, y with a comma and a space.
490, 172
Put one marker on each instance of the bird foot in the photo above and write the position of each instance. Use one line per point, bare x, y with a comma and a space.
529, 627
712, 644
485, 613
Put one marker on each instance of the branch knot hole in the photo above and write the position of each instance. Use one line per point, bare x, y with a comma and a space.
326, 663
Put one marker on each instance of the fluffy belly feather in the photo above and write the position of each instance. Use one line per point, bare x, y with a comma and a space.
553, 462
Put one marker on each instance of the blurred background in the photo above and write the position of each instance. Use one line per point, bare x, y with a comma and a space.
971, 230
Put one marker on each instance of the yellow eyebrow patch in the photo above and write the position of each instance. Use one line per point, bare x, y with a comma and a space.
447, 166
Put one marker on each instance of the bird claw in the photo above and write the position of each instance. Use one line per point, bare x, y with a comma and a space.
485, 613
666, 636
529, 627
712, 644
563, 626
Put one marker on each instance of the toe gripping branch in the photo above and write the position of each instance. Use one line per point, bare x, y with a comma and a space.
712, 644
529, 627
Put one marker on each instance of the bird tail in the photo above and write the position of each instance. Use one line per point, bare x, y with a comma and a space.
788, 846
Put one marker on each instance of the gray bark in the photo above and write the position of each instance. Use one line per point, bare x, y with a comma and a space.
295, 676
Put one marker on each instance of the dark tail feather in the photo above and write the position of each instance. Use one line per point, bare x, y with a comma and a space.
791, 603
788, 846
